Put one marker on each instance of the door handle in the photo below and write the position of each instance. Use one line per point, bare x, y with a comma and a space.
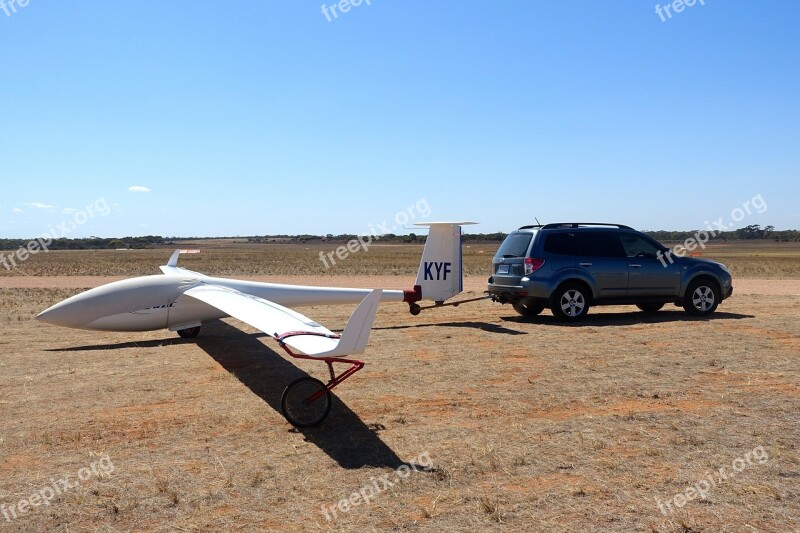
635, 266
585, 264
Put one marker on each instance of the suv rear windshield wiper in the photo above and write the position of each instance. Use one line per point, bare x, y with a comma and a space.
509, 256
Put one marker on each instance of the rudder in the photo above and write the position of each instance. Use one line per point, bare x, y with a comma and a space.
440, 274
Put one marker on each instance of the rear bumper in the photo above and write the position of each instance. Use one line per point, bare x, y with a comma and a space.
506, 293
526, 293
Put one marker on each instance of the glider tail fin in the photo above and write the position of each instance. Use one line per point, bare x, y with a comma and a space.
440, 274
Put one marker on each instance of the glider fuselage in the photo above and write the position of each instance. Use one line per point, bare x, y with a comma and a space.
157, 302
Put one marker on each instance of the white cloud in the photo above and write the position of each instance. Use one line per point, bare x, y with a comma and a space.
16, 210
68, 211
138, 188
39, 205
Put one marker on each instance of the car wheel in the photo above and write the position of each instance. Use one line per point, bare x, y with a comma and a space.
650, 308
528, 309
701, 298
570, 302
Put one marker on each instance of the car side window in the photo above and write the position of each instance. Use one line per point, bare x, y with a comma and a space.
560, 243
598, 244
638, 247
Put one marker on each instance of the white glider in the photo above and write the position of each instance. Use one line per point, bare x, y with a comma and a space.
181, 300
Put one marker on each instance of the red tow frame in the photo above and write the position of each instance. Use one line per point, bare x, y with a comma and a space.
355, 366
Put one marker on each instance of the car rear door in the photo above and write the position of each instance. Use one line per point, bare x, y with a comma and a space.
559, 250
600, 256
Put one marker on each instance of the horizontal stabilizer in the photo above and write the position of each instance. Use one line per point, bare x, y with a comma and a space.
172, 265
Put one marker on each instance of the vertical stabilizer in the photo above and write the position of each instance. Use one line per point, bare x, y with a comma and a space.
440, 273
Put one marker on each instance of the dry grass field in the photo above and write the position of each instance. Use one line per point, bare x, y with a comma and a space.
225, 258
503, 423
221, 258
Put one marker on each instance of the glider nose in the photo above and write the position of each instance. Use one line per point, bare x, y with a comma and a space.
62, 314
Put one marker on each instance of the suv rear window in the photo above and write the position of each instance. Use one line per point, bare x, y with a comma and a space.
515, 245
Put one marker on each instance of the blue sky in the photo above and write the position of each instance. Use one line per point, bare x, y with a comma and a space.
262, 117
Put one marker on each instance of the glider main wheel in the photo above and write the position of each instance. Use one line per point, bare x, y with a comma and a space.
299, 409
189, 333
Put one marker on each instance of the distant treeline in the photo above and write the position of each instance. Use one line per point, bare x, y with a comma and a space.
747, 233
389, 238
752, 232
90, 243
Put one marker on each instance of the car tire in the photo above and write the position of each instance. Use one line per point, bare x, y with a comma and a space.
570, 302
528, 310
650, 308
701, 298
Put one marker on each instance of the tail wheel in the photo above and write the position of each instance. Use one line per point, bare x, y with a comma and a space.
528, 309
701, 298
570, 302
305, 402
189, 333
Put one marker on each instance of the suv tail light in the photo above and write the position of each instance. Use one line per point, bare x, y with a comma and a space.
532, 264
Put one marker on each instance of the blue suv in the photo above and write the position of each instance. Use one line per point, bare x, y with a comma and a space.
569, 267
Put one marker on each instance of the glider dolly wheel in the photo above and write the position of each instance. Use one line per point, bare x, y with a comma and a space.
305, 402
189, 333
414, 309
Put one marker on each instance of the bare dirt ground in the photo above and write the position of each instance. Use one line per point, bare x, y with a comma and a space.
525, 425
506, 424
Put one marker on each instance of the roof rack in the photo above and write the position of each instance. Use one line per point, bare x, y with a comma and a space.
578, 225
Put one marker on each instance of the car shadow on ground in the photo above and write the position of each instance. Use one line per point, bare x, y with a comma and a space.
343, 435
483, 326
625, 318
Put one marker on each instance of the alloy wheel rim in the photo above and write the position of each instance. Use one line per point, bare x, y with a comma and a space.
703, 298
572, 303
